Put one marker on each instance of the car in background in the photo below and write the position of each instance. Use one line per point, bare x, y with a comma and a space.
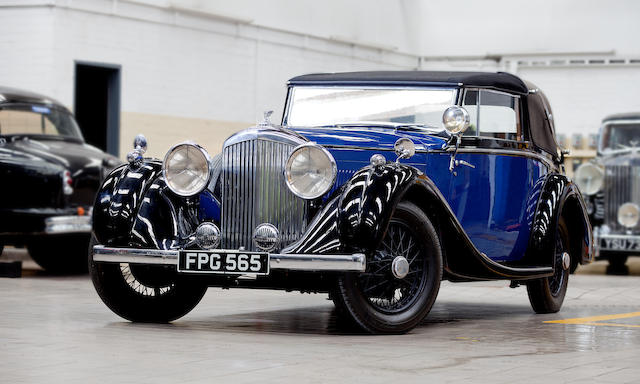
374, 187
611, 185
48, 180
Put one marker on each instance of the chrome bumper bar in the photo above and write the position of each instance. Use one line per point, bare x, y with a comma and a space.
341, 263
67, 224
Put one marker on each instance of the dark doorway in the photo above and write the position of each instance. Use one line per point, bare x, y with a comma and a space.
97, 104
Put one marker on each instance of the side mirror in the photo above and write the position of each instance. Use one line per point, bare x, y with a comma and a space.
404, 148
456, 120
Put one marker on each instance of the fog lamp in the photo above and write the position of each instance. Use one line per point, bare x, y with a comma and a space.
628, 215
207, 235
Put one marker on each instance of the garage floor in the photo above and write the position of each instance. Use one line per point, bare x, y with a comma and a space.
56, 329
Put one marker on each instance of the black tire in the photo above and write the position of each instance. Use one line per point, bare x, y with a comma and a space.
617, 260
61, 254
139, 293
547, 294
377, 301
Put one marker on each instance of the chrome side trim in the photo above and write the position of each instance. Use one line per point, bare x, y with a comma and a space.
295, 262
67, 224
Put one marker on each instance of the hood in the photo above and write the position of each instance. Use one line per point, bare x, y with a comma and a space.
56, 153
368, 137
35, 164
630, 157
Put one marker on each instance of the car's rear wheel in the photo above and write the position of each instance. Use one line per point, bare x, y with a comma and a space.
143, 293
547, 294
61, 254
617, 261
402, 278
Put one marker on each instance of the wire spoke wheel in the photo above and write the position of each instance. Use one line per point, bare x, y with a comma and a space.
144, 293
402, 278
382, 289
547, 294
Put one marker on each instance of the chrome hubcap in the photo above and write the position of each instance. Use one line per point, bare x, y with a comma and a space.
566, 261
400, 267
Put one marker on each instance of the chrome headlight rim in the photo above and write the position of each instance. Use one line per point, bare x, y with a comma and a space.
636, 212
332, 163
583, 189
207, 158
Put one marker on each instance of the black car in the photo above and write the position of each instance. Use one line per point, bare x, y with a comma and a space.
611, 183
49, 178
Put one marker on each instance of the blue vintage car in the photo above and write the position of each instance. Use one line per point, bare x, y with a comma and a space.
374, 187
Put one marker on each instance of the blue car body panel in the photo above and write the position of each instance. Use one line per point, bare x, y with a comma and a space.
487, 200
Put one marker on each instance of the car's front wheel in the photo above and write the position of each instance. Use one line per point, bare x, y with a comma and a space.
142, 293
547, 294
60, 254
402, 278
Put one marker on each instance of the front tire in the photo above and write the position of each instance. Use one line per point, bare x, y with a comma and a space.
378, 301
142, 293
547, 294
61, 254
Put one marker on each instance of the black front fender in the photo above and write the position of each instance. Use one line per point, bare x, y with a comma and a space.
135, 208
356, 217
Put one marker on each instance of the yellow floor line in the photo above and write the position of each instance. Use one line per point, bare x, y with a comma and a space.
596, 320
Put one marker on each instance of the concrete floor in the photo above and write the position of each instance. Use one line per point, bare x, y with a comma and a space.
56, 329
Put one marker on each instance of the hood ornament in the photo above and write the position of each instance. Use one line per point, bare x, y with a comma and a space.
267, 118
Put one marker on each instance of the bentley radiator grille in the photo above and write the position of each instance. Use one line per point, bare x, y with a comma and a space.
622, 185
254, 192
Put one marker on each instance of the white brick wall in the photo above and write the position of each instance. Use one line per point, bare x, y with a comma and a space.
194, 65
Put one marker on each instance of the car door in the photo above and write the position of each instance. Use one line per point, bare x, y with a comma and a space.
494, 197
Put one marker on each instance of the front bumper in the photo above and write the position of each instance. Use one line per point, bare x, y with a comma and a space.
67, 224
298, 262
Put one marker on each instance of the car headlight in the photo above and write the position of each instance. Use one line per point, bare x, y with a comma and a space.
628, 215
310, 171
186, 169
589, 178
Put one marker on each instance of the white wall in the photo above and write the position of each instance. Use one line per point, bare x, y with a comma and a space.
468, 27
229, 60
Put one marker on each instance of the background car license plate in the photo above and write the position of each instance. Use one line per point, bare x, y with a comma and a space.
621, 244
224, 262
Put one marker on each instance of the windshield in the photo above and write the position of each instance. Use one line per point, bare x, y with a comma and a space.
322, 106
620, 136
28, 119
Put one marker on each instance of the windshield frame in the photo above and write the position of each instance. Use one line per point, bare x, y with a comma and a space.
26, 106
290, 88
601, 148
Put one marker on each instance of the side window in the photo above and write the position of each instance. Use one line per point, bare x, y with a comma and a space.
470, 103
493, 114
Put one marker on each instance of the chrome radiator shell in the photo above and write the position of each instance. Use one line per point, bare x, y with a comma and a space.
621, 185
254, 190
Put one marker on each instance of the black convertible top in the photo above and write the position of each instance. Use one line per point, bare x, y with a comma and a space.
13, 95
623, 116
496, 80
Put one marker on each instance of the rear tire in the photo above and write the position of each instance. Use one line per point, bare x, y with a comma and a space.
547, 294
617, 260
140, 293
61, 254
378, 301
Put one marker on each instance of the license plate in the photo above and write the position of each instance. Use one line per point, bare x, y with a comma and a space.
224, 262
620, 244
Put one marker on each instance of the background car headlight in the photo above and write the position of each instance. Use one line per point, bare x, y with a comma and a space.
186, 169
628, 215
589, 178
310, 171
